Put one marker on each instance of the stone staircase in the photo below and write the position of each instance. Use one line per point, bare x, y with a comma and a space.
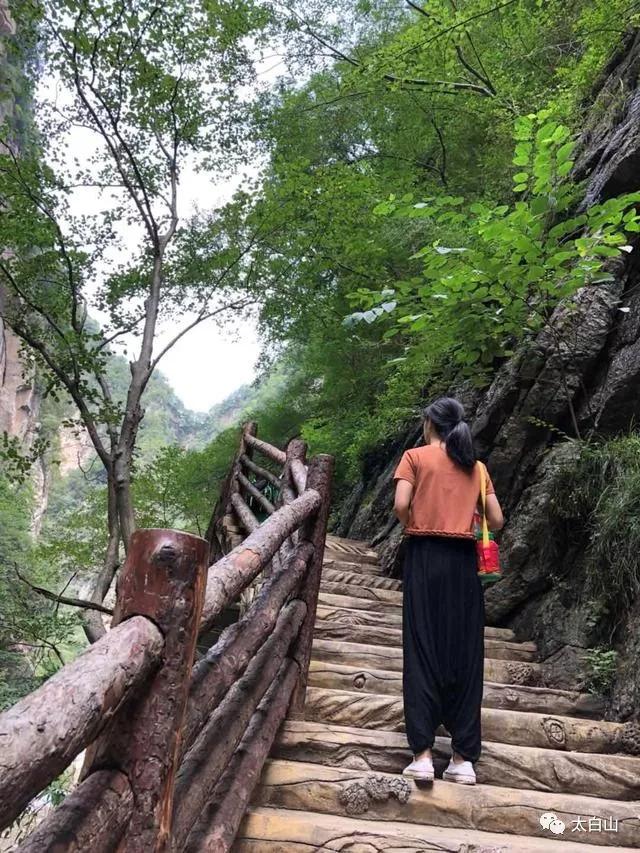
334, 782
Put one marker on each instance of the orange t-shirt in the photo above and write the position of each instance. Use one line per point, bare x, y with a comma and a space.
445, 496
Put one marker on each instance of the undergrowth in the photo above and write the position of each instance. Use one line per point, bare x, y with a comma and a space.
597, 500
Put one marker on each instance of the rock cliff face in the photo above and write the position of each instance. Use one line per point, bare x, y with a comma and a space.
19, 400
19, 397
587, 372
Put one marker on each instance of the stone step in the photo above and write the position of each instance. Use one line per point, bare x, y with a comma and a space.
391, 597
335, 551
390, 658
391, 618
613, 777
333, 572
506, 696
381, 635
369, 603
349, 564
357, 546
277, 830
381, 602
386, 797
520, 728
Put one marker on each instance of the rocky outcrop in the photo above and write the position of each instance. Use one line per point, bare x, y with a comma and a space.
582, 373
19, 399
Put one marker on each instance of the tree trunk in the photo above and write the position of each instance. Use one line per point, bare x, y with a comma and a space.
92, 623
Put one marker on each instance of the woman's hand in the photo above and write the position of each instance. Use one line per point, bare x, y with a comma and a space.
402, 503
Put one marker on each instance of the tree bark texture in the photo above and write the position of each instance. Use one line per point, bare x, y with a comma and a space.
203, 765
163, 578
217, 827
42, 734
227, 660
93, 817
230, 575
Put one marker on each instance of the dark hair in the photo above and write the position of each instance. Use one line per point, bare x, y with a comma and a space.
447, 416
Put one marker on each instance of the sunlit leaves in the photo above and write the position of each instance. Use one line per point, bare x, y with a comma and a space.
476, 299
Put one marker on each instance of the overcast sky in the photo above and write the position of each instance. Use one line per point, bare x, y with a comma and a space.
208, 363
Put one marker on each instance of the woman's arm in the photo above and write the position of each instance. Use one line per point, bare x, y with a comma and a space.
402, 503
495, 518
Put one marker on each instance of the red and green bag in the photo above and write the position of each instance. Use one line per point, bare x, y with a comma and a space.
486, 546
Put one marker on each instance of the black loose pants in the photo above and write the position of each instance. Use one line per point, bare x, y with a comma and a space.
443, 643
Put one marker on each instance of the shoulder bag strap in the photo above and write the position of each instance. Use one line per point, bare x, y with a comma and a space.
483, 496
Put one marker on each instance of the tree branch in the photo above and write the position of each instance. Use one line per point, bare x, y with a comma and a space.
62, 599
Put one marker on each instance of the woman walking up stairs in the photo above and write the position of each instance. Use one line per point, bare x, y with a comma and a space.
455, 743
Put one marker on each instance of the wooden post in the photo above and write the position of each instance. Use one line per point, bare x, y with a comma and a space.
314, 530
223, 510
296, 449
163, 578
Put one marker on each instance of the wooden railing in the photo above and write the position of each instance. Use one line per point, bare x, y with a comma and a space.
174, 748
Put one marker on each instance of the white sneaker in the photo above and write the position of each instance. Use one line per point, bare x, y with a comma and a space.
421, 770
462, 773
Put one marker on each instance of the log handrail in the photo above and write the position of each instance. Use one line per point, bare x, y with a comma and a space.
267, 475
238, 644
268, 450
41, 735
233, 573
155, 724
244, 513
252, 490
93, 817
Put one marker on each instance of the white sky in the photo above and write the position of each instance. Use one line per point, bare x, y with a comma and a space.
208, 363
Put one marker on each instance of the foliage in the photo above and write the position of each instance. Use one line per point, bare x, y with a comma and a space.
509, 264
33, 633
601, 673
151, 91
179, 487
376, 97
596, 501
371, 119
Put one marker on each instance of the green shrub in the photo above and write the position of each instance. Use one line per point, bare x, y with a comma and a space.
601, 663
597, 501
